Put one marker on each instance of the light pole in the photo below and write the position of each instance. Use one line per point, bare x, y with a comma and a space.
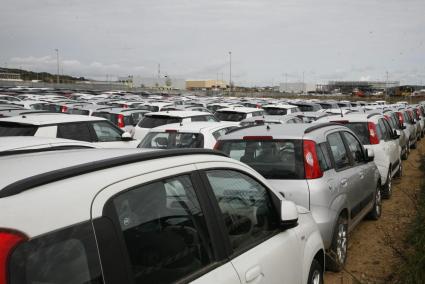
57, 62
230, 80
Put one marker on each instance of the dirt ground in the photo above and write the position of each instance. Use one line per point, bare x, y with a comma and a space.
374, 246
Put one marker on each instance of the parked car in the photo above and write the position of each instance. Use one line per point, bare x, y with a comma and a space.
270, 119
376, 134
75, 127
124, 118
322, 167
121, 216
407, 121
392, 119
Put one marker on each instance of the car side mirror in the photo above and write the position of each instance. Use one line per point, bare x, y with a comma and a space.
288, 214
369, 155
126, 137
403, 126
396, 134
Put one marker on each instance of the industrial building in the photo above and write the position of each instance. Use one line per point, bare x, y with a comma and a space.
153, 82
348, 87
6, 76
205, 84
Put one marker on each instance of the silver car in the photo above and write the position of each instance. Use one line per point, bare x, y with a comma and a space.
323, 167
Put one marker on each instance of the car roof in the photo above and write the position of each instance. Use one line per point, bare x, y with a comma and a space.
353, 117
193, 126
285, 106
240, 109
9, 143
178, 113
49, 118
270, 118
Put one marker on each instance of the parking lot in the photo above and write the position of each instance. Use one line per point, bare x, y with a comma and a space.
202, 189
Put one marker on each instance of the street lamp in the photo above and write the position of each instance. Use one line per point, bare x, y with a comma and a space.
57, 61
230, 81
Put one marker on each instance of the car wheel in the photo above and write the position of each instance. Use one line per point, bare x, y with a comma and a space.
337, 255
388, 187
399, 173
414, 145
315, 276
405, 153
376, 211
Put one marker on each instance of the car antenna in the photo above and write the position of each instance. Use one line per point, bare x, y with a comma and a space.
268, 127
341, 112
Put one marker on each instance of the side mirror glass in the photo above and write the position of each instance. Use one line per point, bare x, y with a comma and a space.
126, 136
288, 214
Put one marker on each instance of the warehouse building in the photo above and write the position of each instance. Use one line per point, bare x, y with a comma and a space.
205, 84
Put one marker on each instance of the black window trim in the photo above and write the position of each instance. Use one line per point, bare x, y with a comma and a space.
218, 250
332, 156
217, 212
352, 160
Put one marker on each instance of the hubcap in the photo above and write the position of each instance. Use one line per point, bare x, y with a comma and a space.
389, 188
316, 277
378, 202
341, 248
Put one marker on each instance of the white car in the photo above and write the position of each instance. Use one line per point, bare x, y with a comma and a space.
375, 133
237, 113
121, 216
155, 119
186, 135
270, 119
75, 127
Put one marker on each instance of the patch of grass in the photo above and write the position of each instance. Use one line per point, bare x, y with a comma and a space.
412, 269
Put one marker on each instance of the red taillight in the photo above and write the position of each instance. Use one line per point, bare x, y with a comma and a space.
373, 135
217, 145
8, 242
124, 106
259, 138
171, 130
400, 118
311, 162
121, 121
64, 109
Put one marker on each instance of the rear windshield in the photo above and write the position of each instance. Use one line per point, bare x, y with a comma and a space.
274, 159
78, 111
172, 140
158, 120
109, 116
16, 129
51, 107
230, 116
305, 108
361, 131
275, 111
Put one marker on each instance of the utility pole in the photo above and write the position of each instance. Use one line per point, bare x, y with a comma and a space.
57, 62
230, 82
386, 86
303, 84
159, 74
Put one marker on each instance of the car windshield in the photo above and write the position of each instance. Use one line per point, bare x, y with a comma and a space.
276, 159
158, 120
16, 129
304, 108
361, 131
172, 140
275, 111
230, 115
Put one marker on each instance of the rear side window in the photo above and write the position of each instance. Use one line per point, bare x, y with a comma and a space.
158, 120
323, 156
75, 131
203, 118
109, 116
230, 115
66, 256
274, 159
172, 140
78, 111
275, 111
338, 150
361, 131
106, 132
355, 148
16, 129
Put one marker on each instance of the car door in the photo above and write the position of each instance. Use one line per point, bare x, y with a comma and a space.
345, 174
259, 251
155, 228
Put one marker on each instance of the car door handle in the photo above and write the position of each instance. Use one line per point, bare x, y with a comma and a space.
344, 182
254, 273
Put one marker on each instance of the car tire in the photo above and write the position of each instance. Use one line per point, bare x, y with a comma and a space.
315, 276
414, 145
376, 211
405, 153
337, 254
399, 173
388, 187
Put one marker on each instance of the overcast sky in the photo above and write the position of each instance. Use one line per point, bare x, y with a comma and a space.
325, 39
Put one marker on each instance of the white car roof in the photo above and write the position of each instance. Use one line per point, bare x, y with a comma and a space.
240, 109
352, 117
13, 143
194, 126
178, 113
49, 118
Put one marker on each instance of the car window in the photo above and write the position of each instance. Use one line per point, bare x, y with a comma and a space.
230, 116
105, 132
355, 147
75, 131
361, 130
65, 256
246, 207
16, 129
388, 128
273, 159
338, 151
218, 133
384, 131
323, 156
275, 111
164, 230
137, 116
157, 120
172, 140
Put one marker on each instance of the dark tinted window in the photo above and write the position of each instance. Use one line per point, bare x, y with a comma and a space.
361, 131
15, 129
277, 159
230, 116
172, 140
323, 156
306, 108
208, 118
275, 111
78, 111
66, 256
355, 147
164, 230
106, 132
338, 151
383, 132
157, 120
246, 207
107, 115
75, 131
